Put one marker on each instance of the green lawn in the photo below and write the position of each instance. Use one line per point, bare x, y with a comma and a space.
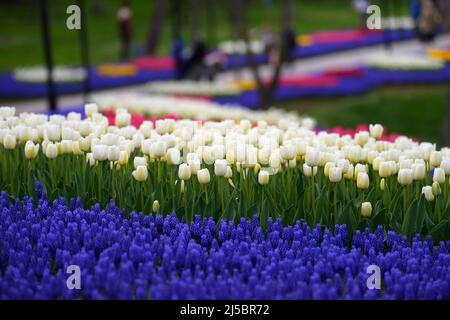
21, 36
415, 111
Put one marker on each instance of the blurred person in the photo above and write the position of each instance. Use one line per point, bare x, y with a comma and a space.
290, 43
195, 66
360, 6
414, 11
124, 16
429, 21
178, 56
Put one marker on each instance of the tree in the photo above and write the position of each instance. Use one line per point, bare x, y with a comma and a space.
444, 8
156, 26
266, 91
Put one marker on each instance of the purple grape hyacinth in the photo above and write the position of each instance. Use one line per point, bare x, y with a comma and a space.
146, 257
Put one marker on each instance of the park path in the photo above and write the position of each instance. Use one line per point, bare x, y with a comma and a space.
304, 66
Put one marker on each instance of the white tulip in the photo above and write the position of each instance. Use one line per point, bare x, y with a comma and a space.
140, 174
173, 156
184, 172
31, 150
203, 176
113, 153
220, 167
100, 152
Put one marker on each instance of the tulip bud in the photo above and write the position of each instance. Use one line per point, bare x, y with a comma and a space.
31, 150
230, 156
360, 168
366, 209
405, 177
155, 206
140, 174
123, 158
51, 151
184, 172
139, 161
362, 180
173, 156
9, 141
382, 184
436, 188
203, 176
335, 174
427, 191
264, 156
263, 177
376, 130
439, 175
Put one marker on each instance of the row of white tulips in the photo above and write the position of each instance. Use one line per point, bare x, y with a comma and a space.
194, 88
193, 109
39, 74
283, 170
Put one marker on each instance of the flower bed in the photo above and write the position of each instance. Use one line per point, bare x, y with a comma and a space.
231, 170
146, 257
194, 88
39, 74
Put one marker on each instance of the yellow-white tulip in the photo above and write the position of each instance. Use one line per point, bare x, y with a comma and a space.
366, 209
123, 158
405, 176
140, 174
263, 177
362, 180
418, 171
427, 191
51, 151
155, 206
184, 172
335, 174
376, 130
31, 150
90, 109
439, 175
9, 141
435, 159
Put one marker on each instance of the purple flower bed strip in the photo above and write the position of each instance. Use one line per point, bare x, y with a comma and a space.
146, 257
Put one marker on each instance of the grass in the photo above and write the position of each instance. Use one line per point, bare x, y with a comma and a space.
416, 111
21, 34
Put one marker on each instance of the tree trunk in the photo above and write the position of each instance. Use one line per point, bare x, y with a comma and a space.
195, 19
156, 26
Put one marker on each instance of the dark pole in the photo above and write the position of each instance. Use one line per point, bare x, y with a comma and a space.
84, 45
386, 31
51, 92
